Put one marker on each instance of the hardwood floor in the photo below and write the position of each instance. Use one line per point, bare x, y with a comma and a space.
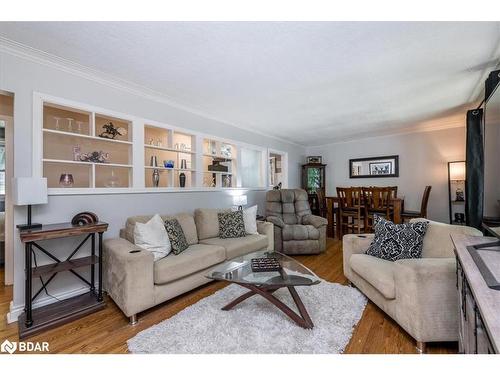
107, 331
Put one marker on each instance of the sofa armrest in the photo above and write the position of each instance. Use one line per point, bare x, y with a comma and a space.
276, 221
315, 221
129, 276
354, 244
427, 298
267, 229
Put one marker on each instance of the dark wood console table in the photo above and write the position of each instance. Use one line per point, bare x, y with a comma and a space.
34, 321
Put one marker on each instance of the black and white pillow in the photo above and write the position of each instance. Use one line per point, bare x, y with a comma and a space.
176, 236
397, 241
231, 224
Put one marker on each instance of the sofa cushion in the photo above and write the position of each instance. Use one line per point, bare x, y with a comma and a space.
378, 272
231, 224
195, 258
185, 220
239, 246
300, 232
397, 241
207, 222
176, 236
437, 240
152, 236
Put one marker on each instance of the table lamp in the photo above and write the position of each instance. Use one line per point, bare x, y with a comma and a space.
240, 201
26, 192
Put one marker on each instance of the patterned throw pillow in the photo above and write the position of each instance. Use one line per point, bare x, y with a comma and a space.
176, 236
397, 241
231, 224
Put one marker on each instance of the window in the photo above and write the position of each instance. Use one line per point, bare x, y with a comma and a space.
251, 168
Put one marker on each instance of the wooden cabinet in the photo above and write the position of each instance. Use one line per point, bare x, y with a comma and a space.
473, 337
313, 177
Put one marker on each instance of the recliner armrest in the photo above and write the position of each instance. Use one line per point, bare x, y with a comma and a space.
267, 229
315, 221
276, 221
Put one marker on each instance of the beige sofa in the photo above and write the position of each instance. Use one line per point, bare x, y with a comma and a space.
136, 283
419, 294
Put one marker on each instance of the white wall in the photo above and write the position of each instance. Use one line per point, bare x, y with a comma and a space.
423, 159
23, 75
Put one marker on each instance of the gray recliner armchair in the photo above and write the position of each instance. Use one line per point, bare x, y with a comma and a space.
296, 230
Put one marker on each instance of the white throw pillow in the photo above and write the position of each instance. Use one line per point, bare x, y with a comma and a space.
152, 236
250, 219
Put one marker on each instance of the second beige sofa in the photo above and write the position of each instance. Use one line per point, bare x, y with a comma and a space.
419, 294
136, 283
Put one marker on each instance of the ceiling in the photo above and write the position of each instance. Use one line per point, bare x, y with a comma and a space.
310, 83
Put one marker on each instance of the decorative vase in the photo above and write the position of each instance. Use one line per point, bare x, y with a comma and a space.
66, 180
182, 180
113, 181
154, 161
156, 177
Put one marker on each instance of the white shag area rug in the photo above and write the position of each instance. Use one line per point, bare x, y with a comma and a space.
256, 325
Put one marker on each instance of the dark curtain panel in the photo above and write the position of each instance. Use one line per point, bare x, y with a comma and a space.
474, 169
491, 83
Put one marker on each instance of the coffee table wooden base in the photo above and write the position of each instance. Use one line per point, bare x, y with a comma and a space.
303, 320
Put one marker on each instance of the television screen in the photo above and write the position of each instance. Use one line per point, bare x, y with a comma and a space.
491, 210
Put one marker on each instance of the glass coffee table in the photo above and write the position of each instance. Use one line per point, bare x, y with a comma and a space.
291, 274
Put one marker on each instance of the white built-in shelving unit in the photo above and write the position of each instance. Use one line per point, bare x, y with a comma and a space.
65, 130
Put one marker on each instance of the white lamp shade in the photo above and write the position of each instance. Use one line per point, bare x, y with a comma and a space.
240, 200
29, 190
457, 171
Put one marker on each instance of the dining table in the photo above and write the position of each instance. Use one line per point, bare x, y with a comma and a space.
332, 201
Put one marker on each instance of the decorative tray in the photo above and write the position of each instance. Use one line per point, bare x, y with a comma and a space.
265, 264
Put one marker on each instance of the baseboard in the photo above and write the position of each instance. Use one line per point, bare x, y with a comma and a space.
16, 310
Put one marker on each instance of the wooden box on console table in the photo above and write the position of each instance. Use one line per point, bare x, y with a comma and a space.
34, 321
478, 305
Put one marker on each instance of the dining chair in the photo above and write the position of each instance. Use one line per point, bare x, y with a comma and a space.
407, 215
394, 192
350, 209
321, 202
377, 201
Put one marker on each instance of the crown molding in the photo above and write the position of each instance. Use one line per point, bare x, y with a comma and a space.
23, 51
444, 125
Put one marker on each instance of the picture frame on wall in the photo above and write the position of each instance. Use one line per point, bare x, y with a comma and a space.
314, 159
374, 167
381, 168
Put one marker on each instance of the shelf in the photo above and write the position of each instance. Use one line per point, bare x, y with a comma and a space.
161, 148
70, 134
86, 163
217, 172
170, 169
67, 265
59, 313
218, 157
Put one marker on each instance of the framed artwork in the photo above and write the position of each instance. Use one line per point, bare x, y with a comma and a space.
314, 159
379, 169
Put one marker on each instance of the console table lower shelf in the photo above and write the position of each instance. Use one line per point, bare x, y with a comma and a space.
36, 320
59, 313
